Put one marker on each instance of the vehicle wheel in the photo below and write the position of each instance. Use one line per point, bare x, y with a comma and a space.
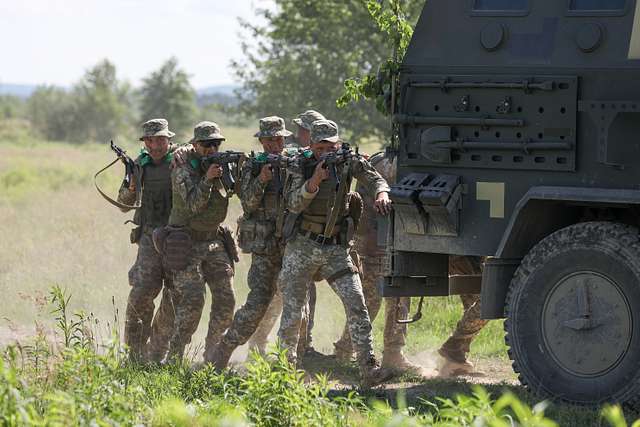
573, 315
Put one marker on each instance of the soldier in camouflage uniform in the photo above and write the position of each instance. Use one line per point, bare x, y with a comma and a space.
259, 340
455, 349
199, 208
148, 275
258, 234
372, 257
312, 254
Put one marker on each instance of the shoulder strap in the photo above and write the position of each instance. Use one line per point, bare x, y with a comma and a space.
338, 202
138, 178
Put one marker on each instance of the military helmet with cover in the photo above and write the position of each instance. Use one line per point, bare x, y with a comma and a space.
272, 126
156, 127
207, 131
324, 131
306, 119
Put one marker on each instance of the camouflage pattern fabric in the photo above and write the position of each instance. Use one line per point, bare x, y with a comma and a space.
457, 346
262, 281
260, 337
146, 278
207, 131
306, 119
156, 127
211, 265
324, 130
162, 327
304, 258
271, 127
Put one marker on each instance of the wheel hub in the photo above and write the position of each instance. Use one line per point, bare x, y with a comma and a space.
586, 323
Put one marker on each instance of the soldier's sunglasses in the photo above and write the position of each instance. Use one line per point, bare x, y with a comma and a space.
211, 143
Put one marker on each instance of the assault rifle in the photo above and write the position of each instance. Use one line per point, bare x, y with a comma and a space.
130, 167
278, 162
131, 171
228, 161
335, 158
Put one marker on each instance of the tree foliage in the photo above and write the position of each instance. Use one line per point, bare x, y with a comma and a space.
168, 93
302, 54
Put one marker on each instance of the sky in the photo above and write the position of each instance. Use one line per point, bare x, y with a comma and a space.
56, 41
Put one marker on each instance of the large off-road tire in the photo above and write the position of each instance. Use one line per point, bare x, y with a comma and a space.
573, 315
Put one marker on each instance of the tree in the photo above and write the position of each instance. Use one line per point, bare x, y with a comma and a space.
168, 93
50, 110
102, 105
302, 55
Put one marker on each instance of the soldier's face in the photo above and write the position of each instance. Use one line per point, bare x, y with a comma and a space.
273, 144
205, 148
157, 146
323, 147
304, 136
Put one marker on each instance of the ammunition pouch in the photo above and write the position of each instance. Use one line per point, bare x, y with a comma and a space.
135, 235
255, 236
226, 235
174, 244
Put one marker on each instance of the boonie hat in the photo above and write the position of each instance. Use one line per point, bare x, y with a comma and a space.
156, 127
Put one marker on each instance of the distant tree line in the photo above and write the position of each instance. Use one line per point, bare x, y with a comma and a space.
100, 106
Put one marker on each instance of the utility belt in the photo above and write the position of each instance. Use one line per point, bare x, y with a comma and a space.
317, 228
323, 240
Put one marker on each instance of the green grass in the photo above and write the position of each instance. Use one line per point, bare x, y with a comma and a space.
81, 382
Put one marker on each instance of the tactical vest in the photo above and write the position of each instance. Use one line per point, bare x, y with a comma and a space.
210, 217
269, 205
315, 216
156, 195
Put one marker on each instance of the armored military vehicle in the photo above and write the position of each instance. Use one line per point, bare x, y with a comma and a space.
518, 124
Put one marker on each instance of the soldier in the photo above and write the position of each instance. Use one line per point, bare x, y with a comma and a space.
260, 337
148, 274
455, 349
372, 257
199, 208
320, 248
259, 234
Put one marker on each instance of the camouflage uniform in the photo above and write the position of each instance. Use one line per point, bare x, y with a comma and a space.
200, 207
469, 326
148, 275
305, 120
306, 257
372, 257
263, 207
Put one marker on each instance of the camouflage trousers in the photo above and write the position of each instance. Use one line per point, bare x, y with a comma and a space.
260, 337
147, 277
210, 264
304, 259
469, 326
257, 317
395, 308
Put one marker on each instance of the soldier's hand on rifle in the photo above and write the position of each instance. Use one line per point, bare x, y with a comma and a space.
214, 171
382, 204
132, 184
319, 175
266, 174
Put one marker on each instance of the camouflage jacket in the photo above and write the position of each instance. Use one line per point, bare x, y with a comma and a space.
298, 198
197, 202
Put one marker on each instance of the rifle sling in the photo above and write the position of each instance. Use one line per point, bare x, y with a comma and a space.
338, 201
115, 203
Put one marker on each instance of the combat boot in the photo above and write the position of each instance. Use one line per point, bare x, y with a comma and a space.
219, 356
372, 374
397, 361
455, 366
